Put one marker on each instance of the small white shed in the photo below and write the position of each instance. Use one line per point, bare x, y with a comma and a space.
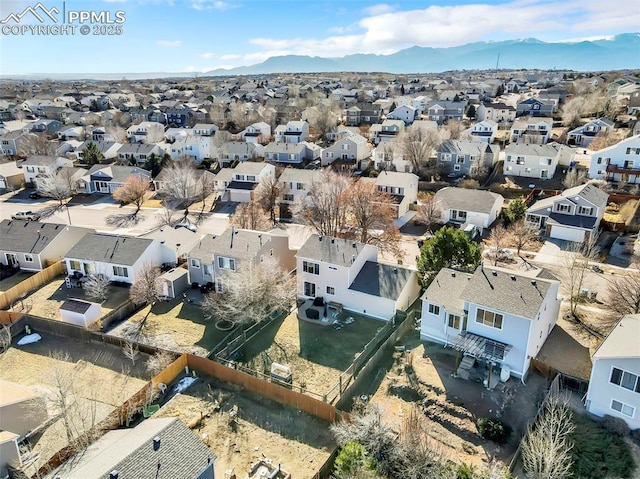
174, 282
79, 312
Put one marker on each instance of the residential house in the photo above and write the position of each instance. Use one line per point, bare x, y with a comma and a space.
192, 188
292, 132
614, 386
464, 157
347, 272
633, 107
72, 132
239, 151
405, 113
442, 111
620, 162
119, 258
363, 113
246, 176
295, 185
100, 134
11, 176
574, 215
535, 161
13, 143
177, 242
22, 409
204, 129
498, 112
536, 107
390, 159
234, 249
517, 86
402, 187
138, 153
531, 130
465, 206
109, 149
623, 88
174, 134
484, 131
46, 127
32, 245
108, 178
220, 183
494, 316
292, 153
585, 134
386, 131
154, 445
350, 149
42, 165
178, 116
196, 148
145, 132
259, 132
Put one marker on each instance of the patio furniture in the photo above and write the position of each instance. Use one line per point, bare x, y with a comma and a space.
312, 313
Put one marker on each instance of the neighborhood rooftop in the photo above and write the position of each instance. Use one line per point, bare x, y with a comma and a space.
623, 341
28, 236
106, 248
465, 199
381, 280
330, 250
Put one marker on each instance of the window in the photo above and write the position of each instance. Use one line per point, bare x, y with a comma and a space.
599, 160
287, 197
251, 178
623, 408
625, 379
30, 169
584, 210
331, 290
226, 263
456, 167
309, 289
308, 267
75, 265
520, 160
206, 269
300, 186
121, 271
563, 208
195, 263
489, 318
434, 309
508, 158
453, 321
28, 258
527, 170
460, 159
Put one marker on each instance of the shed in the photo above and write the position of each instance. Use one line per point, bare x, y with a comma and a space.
79, 312
174, 282
22, 409
9, 452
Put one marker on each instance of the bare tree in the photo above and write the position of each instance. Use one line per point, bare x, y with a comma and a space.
146, 289
523, 233
59, 185
166, 217
324, 121
33, 144
429, 212
251, 216
574, 177
453, 129
130, 351
159, 362
132, 191
118, 133
97, 287
573, 110
251, 293
546, 448
624, 292
575, 265
603, 140
497, 239
180, 182
5, 337
417, 147
267, 194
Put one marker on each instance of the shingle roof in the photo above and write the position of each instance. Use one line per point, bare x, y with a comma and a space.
132, 452
446, 288
508, 291
381, 280
40, 160
464, 199
76, 305
330, 250
623, 340
109, 249
245, 245
28, 236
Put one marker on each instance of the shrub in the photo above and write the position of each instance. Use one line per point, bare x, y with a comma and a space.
615, 425
635, 436
466, 471
352, 457
493, 429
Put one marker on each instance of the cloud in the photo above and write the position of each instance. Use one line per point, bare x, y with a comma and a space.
229, 57
386, 31
206, 56
169, 43
213, 5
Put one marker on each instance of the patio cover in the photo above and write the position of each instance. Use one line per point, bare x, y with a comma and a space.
481, 347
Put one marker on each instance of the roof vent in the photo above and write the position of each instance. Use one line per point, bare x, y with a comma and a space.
333, 240
156, 443
495, 273
453, 274
114, 474
319, 238
353, 244
533, 282
513, 278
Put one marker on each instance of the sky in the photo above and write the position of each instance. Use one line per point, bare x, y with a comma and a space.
202, 35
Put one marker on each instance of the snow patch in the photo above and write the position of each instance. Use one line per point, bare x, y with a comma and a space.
183, 384
29, 339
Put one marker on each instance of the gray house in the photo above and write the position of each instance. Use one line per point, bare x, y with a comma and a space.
11, 175
441, 111
536, 107
292, 153
464, 157
585, 134
107, 178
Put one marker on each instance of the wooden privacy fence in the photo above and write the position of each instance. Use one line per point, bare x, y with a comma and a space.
9, 317
30, 284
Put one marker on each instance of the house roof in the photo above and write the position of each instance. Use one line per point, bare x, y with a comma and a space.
299, 176
77, 305
464, 147
12, 393
281, 147
106, 248
116, 173
137, 148
548, 150
28, 236
507, 291
250, 168
446, 288
330, 250
180, 240
10, 168
623, 340
382, 280
464, 199
241, 185
39, 160
396, 178
577, 221
232, 243
133, 453
589, 192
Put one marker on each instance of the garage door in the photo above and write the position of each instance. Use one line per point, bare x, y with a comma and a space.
567, 234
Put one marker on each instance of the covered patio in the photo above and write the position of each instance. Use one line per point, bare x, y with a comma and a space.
319, 312
480, 355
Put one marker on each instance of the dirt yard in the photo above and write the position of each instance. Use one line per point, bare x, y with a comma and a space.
54, 361
316, 354
261, 428
452, 405
174, 325
46, 301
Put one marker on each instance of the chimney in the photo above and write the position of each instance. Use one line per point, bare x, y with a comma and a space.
156, 443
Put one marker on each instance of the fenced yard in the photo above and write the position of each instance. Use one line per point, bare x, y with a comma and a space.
13, 280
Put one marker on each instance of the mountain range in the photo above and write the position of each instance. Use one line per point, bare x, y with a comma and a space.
613, 53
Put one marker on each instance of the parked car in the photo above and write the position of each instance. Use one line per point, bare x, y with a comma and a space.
25, 215
35, 195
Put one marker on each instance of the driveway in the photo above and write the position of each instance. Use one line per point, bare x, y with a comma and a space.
552, 252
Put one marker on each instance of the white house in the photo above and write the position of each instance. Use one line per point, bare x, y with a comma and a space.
80, 313
292, 132
350, 149
196, 148
246, 177
291, 153
405, 113
385, 158
585, 134
402, 187
119, 258
204, 129
573, 215
138, 153
259, 132
146, 132
614, 386
386, 131
465, 206
531, 130
494, 315
498, 112
484, 131
109, 149
620, 162
347, 272
532, 160
42, 165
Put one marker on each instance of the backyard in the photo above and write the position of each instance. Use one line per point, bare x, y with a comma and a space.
316, 354
241, 428
53, 362
14, 279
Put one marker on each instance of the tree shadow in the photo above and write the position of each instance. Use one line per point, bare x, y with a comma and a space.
49, 211
123, 220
